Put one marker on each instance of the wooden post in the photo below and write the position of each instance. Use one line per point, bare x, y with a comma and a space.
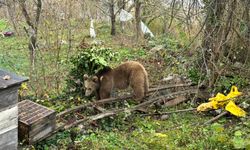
9, 84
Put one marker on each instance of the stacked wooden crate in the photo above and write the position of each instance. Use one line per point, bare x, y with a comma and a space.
9, 84
35, 121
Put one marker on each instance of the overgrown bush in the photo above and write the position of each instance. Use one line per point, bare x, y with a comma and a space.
167, 41
225, 83
195, 75
88, 61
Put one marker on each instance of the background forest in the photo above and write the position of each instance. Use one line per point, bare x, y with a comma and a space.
206, 41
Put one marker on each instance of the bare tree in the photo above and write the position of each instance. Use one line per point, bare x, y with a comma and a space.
112, 4
2, 2
138, 4
212, 31
121, 4
112, 16
226, 37
33, 26
11, 10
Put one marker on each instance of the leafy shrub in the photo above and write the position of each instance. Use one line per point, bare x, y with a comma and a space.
88, 61
224, 84
195, 75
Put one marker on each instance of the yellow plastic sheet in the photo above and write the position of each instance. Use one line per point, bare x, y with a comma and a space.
234, 92
235, 110
221, 101
218, 101
205, 106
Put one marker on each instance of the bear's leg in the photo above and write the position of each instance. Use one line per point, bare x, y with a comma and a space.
139, 95
137, 83
104, 94
138, 92
106, 88
138, 88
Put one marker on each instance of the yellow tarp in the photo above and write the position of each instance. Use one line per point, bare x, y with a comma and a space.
235, 110
222, 101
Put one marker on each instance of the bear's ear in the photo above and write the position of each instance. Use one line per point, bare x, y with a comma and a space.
95, 78
101, 78
85, 76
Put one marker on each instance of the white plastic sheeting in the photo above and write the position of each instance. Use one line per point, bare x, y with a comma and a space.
145, 29
125, 16
130, 2
92, 30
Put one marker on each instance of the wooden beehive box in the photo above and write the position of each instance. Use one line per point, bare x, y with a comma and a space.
35, 121
9, 84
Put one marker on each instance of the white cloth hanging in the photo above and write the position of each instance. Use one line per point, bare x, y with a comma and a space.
92, 30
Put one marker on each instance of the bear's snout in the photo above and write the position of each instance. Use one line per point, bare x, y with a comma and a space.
88, 92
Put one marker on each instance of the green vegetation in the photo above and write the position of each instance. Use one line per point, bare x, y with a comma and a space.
3, 25
88, 61
14, 55
57, 71
179, 131
225, 83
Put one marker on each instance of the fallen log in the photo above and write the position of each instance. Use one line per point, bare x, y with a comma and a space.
107, 113
168, 87
115, 111
176, 101
103, 101
108, 100
170, 112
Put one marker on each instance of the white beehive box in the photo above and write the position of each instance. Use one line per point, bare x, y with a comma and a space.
9, 84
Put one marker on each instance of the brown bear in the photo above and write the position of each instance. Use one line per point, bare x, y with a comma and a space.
130, 73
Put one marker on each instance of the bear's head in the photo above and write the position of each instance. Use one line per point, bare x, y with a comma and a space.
91, 84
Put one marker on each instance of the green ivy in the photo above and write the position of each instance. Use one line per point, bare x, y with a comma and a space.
88, 61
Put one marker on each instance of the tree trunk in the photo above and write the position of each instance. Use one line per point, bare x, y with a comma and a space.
164, 28
247, 18
121, 5
112, 17
33, 27
11, 13
212, 39
138, 19
32, 49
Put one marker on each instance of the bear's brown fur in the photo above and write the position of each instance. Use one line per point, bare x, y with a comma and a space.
130, 73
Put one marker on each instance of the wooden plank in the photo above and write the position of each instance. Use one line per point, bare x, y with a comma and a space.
8, 140
49, 121
41, 128
8, 97
8, 119
42, 134
50, 118
9, 146
23, 132
109, 100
